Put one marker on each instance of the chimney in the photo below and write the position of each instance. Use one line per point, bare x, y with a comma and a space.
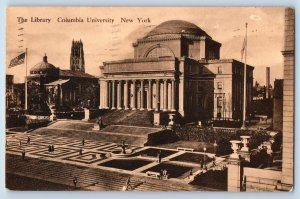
267, 82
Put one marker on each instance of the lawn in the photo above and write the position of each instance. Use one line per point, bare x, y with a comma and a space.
192, 157
173, 170
152, 152
126, 164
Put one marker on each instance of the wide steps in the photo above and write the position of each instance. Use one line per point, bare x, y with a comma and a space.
92, 135
88, 179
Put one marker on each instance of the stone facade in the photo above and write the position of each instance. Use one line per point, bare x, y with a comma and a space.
176, 68
288, 98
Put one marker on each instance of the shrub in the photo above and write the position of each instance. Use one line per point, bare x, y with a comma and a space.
276, 146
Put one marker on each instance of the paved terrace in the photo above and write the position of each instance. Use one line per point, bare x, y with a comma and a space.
95, 168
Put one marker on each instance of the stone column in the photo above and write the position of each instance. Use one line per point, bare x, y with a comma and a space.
142, 95
60, 95
149, 100
173, 97
126, 94
165, 95
107, 95
157, 104
119, 95
133, 90
113, 92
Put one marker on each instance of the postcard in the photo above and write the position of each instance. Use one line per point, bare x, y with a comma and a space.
150, 99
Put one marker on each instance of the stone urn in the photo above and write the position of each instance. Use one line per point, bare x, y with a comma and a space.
245, 141
171, 118
235, 148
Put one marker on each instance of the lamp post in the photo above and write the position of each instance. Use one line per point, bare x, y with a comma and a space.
204, 149
215, 146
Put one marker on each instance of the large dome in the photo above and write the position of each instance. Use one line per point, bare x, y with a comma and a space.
177, 27
43, 67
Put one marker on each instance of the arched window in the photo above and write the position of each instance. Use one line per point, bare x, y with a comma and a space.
160, 51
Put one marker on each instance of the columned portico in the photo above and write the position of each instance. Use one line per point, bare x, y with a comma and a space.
118, 95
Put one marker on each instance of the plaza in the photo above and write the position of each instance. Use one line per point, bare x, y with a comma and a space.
96, 169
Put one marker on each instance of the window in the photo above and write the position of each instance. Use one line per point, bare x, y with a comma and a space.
219, 102
220, 85
220, 69
160, 52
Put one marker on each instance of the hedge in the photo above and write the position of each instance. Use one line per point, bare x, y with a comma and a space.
221, 135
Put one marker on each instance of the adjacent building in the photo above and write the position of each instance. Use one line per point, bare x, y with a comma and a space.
49, 85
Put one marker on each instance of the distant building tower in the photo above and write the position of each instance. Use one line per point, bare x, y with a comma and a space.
267, 82
77, 56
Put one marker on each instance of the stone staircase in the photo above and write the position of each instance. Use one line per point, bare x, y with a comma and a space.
89, 178
127, 117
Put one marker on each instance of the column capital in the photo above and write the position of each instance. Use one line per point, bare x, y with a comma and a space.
165, 80
173, 80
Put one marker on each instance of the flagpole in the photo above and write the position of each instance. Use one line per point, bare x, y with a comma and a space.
26, 90
245, 83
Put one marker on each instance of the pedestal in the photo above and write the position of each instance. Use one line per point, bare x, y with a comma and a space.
86, 114
96, 127
234, 175
171, 122
156, 118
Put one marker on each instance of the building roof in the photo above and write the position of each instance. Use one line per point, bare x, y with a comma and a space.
177, 27
58, 82
70, 73
42, 67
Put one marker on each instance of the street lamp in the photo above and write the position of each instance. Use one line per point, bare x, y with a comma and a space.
215, 146
204, 149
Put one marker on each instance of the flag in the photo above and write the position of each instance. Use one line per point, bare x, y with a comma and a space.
17, 60
243, 48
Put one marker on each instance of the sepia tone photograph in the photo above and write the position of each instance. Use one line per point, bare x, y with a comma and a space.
150, 99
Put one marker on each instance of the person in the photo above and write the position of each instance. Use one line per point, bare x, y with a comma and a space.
100, 122
191, 173
123, 146
52, 148
49, 148
214, 161
28, 140
20, 143
165, 174
159, 156
83, 141
161, 174
23, 155
75, 181
80, 151
201, 163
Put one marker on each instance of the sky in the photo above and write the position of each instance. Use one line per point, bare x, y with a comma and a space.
113, 41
